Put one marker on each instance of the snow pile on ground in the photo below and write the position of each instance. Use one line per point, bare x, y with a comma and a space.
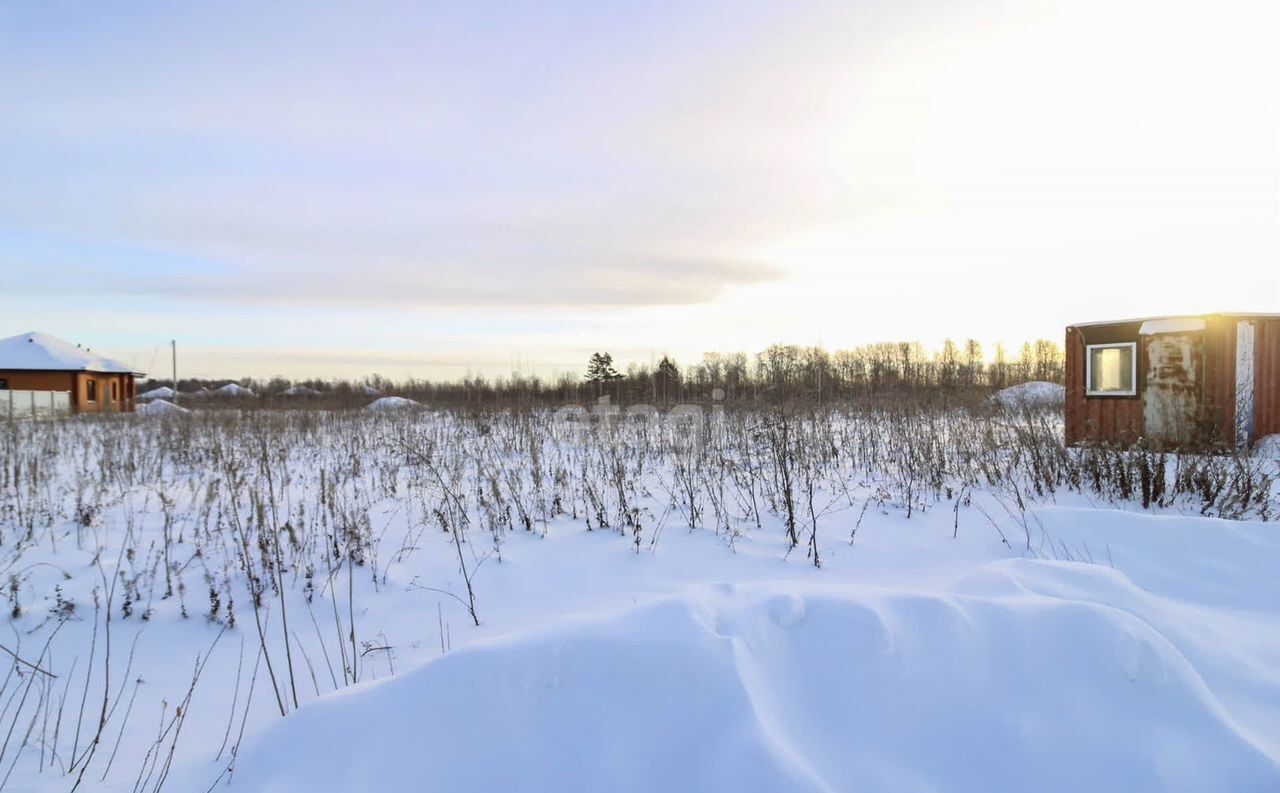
1036, 393
159, 407
369, 390
300, 390
392, 403
1129, 652
233, 390
163, 392
1023, 678
1268, 446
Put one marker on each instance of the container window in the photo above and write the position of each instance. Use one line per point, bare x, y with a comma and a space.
1112, 369
91, 391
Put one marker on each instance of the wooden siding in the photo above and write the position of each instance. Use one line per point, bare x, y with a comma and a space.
103, 402
38, 381
78, 384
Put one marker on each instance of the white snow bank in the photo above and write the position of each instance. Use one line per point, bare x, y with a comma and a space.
1267, 446
299, 390
233, 390
369, 390
392, 403
790, 687
159, 407
1036, 393
163, 392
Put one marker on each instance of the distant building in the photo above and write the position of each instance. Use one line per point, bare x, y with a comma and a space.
1211, 379
40, 362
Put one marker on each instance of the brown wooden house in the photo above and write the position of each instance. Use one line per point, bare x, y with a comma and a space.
1203, 380
40, 362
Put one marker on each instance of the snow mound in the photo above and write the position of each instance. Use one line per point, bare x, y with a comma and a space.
233, 390
163, 392
300, 390
159, 407
1036, 393
785, 687
392, 403
369, 390
1268, 446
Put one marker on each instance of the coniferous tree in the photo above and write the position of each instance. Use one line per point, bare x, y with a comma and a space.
600, 370
667, 377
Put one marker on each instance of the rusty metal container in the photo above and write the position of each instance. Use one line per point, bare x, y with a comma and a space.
1180, 381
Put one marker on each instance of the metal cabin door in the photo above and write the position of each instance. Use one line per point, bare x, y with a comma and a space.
1169, 396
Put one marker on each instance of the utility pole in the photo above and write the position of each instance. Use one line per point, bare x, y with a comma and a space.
173, 344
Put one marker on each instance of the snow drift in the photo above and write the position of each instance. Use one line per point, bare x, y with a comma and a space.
772, 687
392, 403
1036, 393
299, 391
163, 392
234, 390
159, 407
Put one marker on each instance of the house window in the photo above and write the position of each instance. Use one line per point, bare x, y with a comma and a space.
114, 395
91, 391
1111, 369
4, 384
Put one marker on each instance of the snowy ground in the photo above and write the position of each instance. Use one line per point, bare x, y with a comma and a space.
1078, 644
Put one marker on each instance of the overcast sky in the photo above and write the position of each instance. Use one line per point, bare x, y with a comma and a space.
431, 189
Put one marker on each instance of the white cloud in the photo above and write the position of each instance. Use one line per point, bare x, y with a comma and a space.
719, 177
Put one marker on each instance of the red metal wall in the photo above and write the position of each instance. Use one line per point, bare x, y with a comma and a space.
1120, 419
1266, 405
1109, 419
1218, 386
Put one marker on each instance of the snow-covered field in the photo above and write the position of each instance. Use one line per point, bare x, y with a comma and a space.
990, 612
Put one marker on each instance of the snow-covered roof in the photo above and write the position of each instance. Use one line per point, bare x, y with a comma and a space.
44, 353
1176, 325
1259, 315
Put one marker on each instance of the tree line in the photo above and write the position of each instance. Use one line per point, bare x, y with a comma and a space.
780, 372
